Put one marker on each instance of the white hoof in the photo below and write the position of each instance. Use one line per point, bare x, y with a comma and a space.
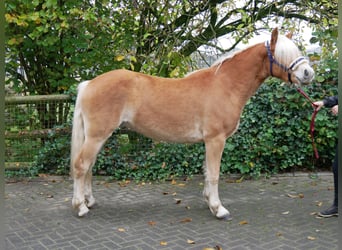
90, 201
223, 214
82, 210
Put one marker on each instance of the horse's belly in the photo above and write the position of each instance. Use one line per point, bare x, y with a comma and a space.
169, 133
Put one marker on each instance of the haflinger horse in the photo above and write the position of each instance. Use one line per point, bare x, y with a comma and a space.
205, 106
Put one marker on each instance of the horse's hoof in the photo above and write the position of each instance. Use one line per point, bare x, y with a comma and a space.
90, 202
223, 214
227, 217
82, 210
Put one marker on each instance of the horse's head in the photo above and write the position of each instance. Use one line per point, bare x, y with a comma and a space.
286, 60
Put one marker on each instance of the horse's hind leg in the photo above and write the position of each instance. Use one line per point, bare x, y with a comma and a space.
82, 175
213, 149
88, 193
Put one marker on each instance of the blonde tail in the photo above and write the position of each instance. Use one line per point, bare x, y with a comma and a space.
77, 138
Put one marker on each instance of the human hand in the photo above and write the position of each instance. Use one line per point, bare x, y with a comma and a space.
334, 110
318, 105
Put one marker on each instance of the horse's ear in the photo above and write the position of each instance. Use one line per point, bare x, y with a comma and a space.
289, 35
274, 38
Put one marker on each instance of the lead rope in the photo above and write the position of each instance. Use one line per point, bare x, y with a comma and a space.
312, 123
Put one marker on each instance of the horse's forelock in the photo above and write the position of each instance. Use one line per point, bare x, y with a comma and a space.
286, 51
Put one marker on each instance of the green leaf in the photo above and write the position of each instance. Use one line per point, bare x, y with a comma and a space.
320, 79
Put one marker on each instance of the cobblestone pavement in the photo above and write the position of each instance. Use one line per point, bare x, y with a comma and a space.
276, 213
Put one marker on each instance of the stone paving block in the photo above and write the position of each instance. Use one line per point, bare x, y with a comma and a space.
39, 215
70, 248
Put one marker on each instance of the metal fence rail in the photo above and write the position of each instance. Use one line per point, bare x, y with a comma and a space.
29, 120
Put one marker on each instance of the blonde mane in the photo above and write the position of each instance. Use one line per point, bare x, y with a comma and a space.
222, 59
286, 50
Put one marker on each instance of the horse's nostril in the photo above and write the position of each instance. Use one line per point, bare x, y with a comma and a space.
306, 72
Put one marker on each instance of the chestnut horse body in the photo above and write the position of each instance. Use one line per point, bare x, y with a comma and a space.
205, 106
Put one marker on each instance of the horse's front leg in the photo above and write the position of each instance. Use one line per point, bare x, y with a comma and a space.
78, 200
90, 200
213, 150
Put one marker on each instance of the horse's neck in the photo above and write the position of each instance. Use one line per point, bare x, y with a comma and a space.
245, 71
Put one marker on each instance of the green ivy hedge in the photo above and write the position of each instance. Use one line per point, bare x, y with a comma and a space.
274, 133
273, 136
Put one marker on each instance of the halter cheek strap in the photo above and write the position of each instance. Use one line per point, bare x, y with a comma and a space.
289, 69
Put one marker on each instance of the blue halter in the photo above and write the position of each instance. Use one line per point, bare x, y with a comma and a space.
283, 67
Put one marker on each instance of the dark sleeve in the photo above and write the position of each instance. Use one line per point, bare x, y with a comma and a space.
331, 101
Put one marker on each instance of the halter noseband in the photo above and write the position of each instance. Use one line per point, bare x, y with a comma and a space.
299, 60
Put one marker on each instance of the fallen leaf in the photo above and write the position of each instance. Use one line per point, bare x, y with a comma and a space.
163, 243
287, 212
174, 194
178, 201
319, 204
124, 183
190, 241
173, 182
181, 185
43, 175
120, 229
163, 165
292, 196
185, 220
239, 180
187, 207
152, 223
213, 248
279, 234
165, 193
66, 199
311, 238
243, 222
